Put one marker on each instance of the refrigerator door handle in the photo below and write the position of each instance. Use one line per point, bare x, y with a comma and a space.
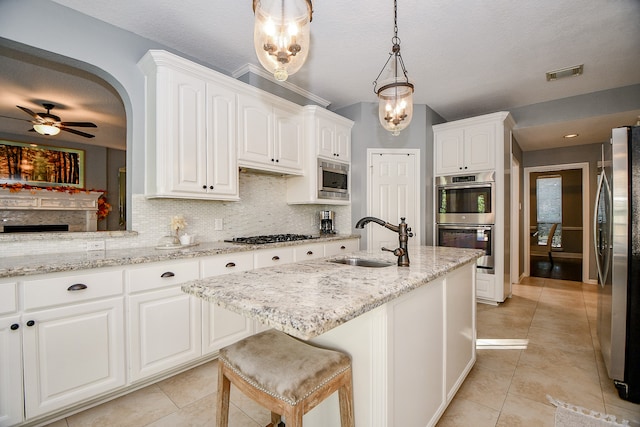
597, 237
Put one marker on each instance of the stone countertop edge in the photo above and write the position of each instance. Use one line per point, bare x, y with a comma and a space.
74, 261
308, 298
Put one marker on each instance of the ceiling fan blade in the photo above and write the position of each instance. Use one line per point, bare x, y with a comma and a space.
15, 118
29, 112
79, 124
77, 132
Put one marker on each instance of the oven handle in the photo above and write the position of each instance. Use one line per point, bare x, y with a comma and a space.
466, 227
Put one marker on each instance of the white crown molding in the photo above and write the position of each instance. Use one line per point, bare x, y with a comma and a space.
259, 71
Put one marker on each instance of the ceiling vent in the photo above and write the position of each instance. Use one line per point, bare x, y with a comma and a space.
574, 71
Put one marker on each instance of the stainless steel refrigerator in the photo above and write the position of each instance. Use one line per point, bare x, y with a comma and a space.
617, 245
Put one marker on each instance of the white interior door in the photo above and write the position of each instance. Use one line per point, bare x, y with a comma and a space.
393, 192
515, 220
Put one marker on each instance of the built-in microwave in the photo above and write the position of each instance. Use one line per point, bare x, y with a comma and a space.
333, 180
466, 199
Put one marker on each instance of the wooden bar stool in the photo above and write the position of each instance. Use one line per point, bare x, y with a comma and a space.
284, 375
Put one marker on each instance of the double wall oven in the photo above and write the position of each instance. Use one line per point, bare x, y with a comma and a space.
465, 214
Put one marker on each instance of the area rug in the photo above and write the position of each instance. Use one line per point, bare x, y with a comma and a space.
568, 415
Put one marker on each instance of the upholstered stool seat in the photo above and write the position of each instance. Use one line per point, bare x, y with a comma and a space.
287, 376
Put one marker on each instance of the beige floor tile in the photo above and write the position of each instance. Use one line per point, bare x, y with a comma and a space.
486, 387
560, 340
522, 412
493, 324
628, 411
192, 385
553, 361
250, 407
570, 322
133, 410
498, 360
534, 384
465, 413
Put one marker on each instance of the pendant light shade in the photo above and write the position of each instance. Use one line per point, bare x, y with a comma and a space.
281, 35
395, 94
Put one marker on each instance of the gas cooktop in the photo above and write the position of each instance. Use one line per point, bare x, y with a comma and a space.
271, 238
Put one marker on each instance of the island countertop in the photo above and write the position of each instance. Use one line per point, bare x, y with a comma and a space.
306, 299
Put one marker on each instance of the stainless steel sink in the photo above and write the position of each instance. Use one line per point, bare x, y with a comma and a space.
360, 262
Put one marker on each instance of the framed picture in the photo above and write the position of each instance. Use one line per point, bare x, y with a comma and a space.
41, 165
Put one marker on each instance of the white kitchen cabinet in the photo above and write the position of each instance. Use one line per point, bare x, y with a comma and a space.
341, 247
11, 392
485, 286
191, 130
329, 132
164, 322
308, 252
466, 149
73, 338
221, 327
270, 134
328, 136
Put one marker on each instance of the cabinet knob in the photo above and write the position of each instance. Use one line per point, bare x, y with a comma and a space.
465, 167
343, 247
211, 187
273, 160
77, 287
230, 264
204, 187
31, 323
14, 326
309, 252
275, 258
277, 161
167, 274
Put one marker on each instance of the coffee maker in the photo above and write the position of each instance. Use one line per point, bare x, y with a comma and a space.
327, 219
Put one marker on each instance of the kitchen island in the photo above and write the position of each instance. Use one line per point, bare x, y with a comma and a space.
409, 330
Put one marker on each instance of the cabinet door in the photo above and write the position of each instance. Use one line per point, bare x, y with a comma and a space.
272, 257
485, 286
308, 252
255, 131
11, 406
221, 327
164, 331
325, 137
72, 354
343, 143
449, 151
480, 147
288, 148
186, 159
222, 162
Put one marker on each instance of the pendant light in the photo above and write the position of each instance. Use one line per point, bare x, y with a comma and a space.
281, 35
395, 93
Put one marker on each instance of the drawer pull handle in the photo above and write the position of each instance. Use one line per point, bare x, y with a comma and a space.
31, 323
167, 274
230, 264
77, 287
275, 258
343, 247
309, 252
14, 326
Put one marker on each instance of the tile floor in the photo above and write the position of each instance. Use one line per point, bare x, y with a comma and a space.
505, 387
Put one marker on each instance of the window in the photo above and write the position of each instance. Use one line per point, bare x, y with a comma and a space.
549, 208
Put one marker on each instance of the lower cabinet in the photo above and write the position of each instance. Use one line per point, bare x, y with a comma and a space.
72, 354
11, 392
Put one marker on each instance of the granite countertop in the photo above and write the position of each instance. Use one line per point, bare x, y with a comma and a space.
308, 298
73, 261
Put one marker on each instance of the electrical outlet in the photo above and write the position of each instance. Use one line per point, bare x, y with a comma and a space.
97, 245
217, 224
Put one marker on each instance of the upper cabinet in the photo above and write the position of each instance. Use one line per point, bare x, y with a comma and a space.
191, 130
270, 134
331, 133
465, 148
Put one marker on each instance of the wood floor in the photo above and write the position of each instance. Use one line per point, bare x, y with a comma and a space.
562, 269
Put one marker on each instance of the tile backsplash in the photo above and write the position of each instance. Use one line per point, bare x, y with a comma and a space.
262, 210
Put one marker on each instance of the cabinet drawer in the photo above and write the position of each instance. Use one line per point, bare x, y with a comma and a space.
271, 257
225, 264
341, 247
160, 275
71, 288
305, 252
8, 298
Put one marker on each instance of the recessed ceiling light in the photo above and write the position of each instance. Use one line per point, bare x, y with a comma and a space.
574, 71
571, 135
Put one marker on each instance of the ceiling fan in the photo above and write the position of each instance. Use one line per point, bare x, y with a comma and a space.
50, 124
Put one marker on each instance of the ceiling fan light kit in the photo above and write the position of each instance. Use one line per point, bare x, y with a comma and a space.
45, 129
51, 125
395, 94
281, 35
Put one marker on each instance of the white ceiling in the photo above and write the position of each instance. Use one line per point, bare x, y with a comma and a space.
465, 57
